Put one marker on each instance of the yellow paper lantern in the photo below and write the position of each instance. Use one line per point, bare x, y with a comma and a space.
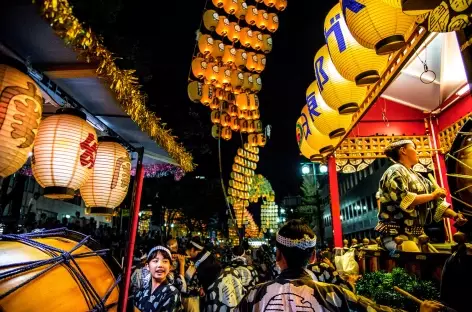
261, 63
326, 120
281, 4
234, 32
257, 40
64, 153
247, 81
252, 127
243, 125
205, 44
241, 59
225, 77
270, 3
208, 95
242, 10
262, 19
222, 27
215, 104
225, 119
353, 61
233, 110
253, 102
234, 124
210, 19
229, 55
261, 139
377, 25
21, 106
257, 83
251, 15
218, 3
108, 185
266, 43
256, 114
226, 133
258, 126
194, 90
212, 72
199, 67
230, 6
215, 116
242, 101
273, 22
237, 80
418, 10
216, 131
218, 49
246, 37
340, 94
252, 60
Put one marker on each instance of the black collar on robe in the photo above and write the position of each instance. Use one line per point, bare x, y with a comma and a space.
290, 274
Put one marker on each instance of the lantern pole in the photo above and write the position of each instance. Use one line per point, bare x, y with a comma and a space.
133, 228
335, 205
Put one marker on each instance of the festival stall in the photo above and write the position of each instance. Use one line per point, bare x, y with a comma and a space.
81, 124
390, 70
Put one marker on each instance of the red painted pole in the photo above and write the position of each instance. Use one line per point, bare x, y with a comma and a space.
335, 205
133, 229
441, 172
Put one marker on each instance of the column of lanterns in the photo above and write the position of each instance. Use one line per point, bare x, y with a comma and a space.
232, 48
269, 215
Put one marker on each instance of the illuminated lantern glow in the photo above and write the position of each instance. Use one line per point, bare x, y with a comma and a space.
215, 116
252, 60
340, 94
377, 25
195, 91
246, 37
247, 114
108, 184
231, 6
252, 127
225, 76
226, 133
242, 10
240, 113
234, 32
199, 67
21, 106
64, 153
281, 5
233, 110
220, 94
208, 95
218, 49
210, 19
218, 3
225, 119
258, 126
229, 55
270, 3
257, 41
222, 27
415, 7
261, 63
243, 125
237, 79
261, 139
266, 43
273, 24
256, 114
205, 44
328, 121
252, 15
215, 103
247, 81
216, 131
212, 73
242, 101
262, 19
353, 61
241, 59
257, 85
253, 101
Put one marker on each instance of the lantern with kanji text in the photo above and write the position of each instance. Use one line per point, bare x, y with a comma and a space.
251, 15
199, 67
210, 19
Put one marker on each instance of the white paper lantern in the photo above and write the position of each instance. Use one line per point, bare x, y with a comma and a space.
64, 153
108, 185
20, 114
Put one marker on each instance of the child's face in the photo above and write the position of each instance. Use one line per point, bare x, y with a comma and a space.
159, 267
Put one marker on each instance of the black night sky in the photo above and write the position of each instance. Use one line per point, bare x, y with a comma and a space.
157, 39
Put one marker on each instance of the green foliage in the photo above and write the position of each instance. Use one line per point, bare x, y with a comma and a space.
378, 286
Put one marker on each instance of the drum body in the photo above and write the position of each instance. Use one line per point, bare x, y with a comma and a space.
57, 289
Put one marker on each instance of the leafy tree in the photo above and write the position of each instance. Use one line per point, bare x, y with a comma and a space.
311, 209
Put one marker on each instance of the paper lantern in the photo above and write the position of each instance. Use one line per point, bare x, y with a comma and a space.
212, 72
246, 115
234, 123
281, 5
257, 83
222, 27
253, 101
243, 125
256, 114
216, 131
208, 94
266, 43
21, 106
246, 37
214, 104
218, 49
340, 94
205, 44
225, 119
237, 80
230, 6
108, 184
328, 121
195, 91
353, 61
210, 19
251, 15
415, 7
226, 133
257, 41
64, 153
242, 10
262, 19
240, 113
270, 3
234, 32
215, 116
247, 81
233, 110
240, 59
258, 126
261, 139
225, 76
376, 25
218, 3
261, 63
199, 67
242, 101
273, 24
229, 56
252, 127
220, 94
252, 60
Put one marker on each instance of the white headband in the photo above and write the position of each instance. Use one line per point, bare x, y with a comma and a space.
199, 247
302, 243
159, 248
400, 143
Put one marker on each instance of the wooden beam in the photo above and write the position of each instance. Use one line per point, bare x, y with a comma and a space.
67, 71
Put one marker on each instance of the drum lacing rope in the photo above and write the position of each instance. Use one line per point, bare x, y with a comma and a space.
58, 257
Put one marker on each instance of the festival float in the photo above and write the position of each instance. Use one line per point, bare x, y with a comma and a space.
78, 124
393, 70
